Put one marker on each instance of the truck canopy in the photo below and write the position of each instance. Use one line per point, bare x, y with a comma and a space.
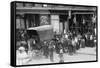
44, 32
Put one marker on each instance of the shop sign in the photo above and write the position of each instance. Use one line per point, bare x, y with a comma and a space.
44, 20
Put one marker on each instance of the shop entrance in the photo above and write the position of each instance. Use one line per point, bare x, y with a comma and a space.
32, 20
63, 23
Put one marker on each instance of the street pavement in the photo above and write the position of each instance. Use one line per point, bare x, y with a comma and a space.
83, 54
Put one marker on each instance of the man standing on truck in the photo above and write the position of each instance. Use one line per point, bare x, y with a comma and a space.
51, 50
61, 53
46, 50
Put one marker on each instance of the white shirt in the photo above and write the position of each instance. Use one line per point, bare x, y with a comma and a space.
73, 42
66, 36
91, 37
76, 39
95, 30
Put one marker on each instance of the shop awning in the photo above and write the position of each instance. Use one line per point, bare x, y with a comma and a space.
41, 28
58, 8
28, 11
44, 32
53, 10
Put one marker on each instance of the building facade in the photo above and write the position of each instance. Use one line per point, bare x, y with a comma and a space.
63, 18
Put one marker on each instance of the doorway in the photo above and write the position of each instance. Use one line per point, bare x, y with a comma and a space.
32, 20
63, 23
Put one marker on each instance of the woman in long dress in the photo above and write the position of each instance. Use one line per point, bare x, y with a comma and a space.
21, 55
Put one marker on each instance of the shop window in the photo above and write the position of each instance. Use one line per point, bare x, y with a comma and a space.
29, 5
32, 20
83, 23
19, 4
20, 24
45, 5
38, 5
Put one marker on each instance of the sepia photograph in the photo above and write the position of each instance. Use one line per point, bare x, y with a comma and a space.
48, 33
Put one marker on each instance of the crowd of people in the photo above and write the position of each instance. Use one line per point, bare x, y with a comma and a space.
66, 43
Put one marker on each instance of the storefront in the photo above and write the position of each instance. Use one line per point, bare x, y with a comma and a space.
62, 18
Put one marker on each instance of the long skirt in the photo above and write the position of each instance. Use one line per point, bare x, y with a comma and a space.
70, 49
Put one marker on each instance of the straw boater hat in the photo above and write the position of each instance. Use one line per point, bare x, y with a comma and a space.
21, 48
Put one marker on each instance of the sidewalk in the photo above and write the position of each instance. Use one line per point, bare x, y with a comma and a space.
83, 54
88, 50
